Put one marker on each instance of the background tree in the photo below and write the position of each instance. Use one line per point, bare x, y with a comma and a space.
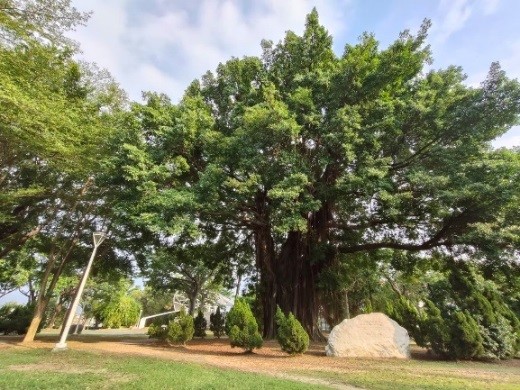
153, 301
65, 291
195, 269
216, 323
112, 303
200, 324
56, 114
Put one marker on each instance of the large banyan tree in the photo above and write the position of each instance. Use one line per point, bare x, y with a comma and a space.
318, 158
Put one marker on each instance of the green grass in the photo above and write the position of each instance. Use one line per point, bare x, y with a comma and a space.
431, 375
22, 368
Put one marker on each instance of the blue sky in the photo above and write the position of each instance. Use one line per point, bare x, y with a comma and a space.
162, 45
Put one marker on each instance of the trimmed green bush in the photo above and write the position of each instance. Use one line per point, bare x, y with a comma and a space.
200, 325
158, 331
242, 328
290, 334
181, 329
15, 318
216, 323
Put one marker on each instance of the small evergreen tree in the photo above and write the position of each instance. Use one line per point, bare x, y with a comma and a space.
464, 317
242, 328
200, 325
290, 334
216, 323
466, 341
158, 331
181, 329
406, 314
437, 332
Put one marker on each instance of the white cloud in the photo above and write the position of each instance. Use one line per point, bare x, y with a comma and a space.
453, 16
509, 139
490, 6
180, 41
157, 80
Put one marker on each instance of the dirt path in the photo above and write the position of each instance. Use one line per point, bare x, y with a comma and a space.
217, 353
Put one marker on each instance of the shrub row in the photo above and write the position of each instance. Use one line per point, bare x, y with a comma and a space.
240, 325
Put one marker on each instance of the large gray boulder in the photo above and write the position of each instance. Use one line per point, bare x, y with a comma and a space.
372, 335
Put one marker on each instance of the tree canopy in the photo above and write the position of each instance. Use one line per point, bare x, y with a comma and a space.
319, 158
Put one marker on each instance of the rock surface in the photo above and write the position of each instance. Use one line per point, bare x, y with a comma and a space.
372, 335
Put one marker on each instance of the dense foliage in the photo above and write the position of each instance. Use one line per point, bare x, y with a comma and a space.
241, 327
290, 334
15, 318
464, 317
114, 303
322, 160
56, 116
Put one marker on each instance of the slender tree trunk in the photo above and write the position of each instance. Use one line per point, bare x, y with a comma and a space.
39, 312
32, 292
347, 308
46, 288
193, 299
239, 281
57, 310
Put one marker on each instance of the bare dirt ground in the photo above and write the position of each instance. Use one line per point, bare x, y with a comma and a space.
268, 360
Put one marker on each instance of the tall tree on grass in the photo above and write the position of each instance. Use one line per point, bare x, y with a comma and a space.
56, 115
320, 157
323, 157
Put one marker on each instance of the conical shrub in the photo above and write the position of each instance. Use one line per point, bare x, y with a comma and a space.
290, 334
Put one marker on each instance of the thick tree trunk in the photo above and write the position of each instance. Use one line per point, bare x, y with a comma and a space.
290, 279
265, 264
297, 282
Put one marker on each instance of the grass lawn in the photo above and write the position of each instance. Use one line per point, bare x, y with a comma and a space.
420, 374
135, 362
22, 368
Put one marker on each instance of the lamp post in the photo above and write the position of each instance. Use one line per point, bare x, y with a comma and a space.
62, 344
